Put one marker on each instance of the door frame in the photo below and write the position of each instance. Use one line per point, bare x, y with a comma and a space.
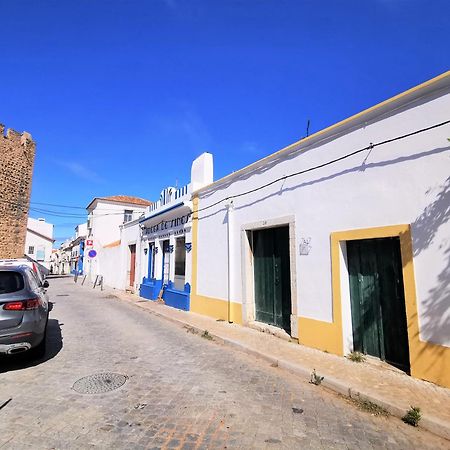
247, 267
342, 318
130, 259
163, 260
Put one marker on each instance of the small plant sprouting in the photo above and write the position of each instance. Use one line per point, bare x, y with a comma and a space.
368, 406
206, 335
412, 416
316, 379
356, 357
190, 329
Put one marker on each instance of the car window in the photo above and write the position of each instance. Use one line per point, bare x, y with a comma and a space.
34, 284
10, 282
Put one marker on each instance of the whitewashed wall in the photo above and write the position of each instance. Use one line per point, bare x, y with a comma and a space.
404, 182
106, 220
107, 264
38, 242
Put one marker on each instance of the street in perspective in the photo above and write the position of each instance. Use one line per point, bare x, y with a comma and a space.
169, 388
224, 224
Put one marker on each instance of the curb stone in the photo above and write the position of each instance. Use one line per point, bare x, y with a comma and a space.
427, 422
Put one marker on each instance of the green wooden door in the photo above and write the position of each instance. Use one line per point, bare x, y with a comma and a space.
377, 300
272, 277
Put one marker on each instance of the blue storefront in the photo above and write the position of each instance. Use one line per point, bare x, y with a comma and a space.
166, 242
78, 262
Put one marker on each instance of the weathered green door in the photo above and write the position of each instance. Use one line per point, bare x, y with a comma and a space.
272, 276
377, 300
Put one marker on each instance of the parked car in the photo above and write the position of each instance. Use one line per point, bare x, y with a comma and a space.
24, 309
23, 261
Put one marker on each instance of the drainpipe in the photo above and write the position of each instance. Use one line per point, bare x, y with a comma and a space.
230, 208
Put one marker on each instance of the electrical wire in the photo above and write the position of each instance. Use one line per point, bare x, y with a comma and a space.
68, 206
332, 161
54, 213
371, 146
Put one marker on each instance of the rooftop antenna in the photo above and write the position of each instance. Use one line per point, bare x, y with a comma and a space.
307, 128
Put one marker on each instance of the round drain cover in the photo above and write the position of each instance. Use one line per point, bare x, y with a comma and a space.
99, 383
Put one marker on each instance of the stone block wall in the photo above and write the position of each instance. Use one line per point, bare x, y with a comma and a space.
17, 152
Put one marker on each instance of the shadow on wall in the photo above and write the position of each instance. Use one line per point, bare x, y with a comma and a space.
24, 360
362, 167
436, 307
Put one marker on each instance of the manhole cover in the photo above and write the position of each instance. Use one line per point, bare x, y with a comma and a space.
62, 295
99, 383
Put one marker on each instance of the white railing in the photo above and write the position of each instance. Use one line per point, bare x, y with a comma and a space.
169, 195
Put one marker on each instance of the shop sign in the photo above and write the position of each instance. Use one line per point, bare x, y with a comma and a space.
168, 224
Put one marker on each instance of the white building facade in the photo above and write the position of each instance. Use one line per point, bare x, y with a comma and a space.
106, 215
341, 240
39, 241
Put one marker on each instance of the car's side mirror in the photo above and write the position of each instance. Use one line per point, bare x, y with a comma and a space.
45, 284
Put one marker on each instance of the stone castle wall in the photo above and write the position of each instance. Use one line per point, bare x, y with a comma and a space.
17, 152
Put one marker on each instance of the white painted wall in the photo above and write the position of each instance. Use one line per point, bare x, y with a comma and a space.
106, 217
35, 228
404, 182
105, 222
81, 230
107, 263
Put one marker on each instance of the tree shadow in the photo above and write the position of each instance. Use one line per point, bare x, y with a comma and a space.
360, 167
435, 308
435, 325
24, 360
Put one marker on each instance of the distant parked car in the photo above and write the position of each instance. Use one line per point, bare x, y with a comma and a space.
23, 261
24, 311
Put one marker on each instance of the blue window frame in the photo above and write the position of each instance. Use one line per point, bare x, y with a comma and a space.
151, 260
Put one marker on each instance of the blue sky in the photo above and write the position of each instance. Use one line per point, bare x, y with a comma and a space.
122, 95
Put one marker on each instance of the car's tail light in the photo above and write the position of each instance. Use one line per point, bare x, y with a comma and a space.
33, 303
14, 306
23, 305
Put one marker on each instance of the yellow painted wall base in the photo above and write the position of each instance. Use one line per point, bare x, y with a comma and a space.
216, 308
324, 336
431, 362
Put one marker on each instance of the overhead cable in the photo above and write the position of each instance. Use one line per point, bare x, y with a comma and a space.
332, 161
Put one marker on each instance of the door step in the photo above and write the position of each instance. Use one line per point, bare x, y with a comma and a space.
271, 329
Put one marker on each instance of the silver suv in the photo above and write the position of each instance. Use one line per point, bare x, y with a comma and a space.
25, 262
24, 311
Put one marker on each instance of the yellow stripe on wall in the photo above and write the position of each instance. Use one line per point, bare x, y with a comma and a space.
218, 309
324, 336
200, 304
428, 361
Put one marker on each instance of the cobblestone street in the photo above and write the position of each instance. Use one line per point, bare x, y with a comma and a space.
182, 391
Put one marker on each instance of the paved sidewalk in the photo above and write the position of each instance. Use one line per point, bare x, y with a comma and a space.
370, 380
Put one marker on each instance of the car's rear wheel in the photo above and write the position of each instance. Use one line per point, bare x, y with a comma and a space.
39, 351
